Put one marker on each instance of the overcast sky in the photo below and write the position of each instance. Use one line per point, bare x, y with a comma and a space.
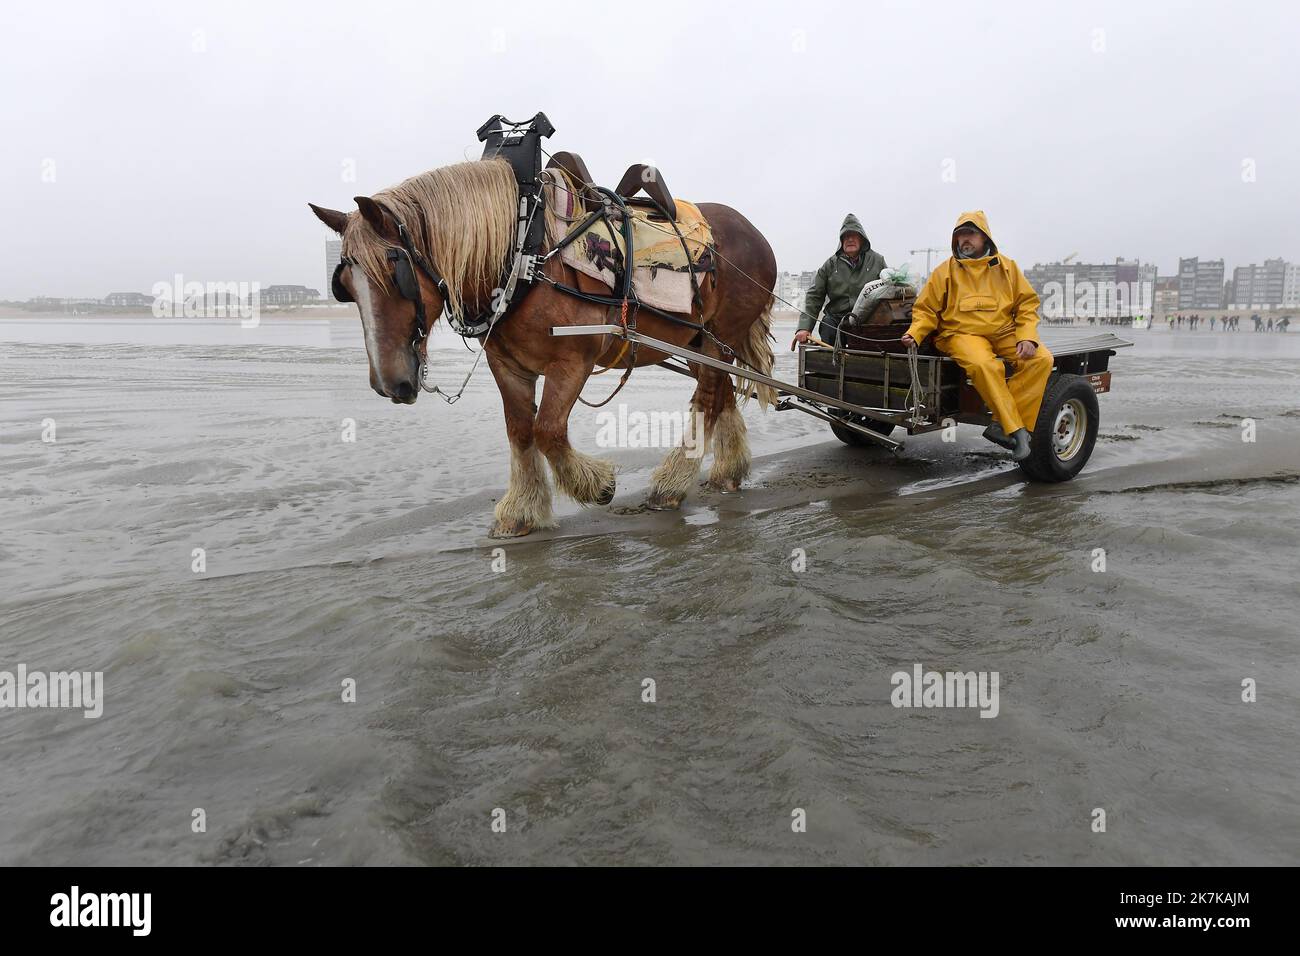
140, 140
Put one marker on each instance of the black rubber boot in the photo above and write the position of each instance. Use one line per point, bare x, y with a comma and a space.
1021, 439
995, 434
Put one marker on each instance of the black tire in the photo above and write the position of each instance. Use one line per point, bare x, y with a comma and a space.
853, 439
1065, 432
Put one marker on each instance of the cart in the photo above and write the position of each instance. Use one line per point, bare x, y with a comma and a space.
867, 392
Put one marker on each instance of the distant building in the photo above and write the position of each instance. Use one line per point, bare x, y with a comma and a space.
1132, 270
54, 303
333, 253
784, 288
1081, 289
289, 295
1291, 286
1166, 297
1040, 274
793, 287
1200, 284
128, 300
1259, 287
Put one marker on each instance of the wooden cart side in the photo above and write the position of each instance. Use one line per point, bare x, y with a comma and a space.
882, 380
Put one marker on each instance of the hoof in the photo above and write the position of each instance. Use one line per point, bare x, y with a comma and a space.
606, 494
727, 486
514, 529
659, 502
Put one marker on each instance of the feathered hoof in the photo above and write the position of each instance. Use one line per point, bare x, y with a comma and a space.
607, 493
510, 529
727, 486
664, 502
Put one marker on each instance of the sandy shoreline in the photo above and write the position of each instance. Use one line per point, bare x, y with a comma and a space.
328, 559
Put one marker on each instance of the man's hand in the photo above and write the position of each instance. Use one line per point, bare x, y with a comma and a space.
1026, 349
908, 341
800, 338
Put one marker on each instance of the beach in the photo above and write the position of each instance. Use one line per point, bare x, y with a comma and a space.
343, 539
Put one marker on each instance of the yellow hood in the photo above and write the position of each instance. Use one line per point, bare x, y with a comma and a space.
987, 296
980, 221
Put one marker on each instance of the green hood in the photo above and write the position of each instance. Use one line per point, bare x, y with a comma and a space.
838, 281
853, 224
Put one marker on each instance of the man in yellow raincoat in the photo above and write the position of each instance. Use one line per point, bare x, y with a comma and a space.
983, 310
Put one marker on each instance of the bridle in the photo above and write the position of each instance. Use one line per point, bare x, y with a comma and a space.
408, 287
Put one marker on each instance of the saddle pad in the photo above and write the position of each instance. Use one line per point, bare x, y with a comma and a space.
661, 269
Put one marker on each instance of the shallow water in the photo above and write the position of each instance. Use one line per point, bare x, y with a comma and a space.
521, 688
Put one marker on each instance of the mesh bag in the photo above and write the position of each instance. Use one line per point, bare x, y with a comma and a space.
894, 285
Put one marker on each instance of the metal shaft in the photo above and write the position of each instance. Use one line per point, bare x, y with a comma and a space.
692, 356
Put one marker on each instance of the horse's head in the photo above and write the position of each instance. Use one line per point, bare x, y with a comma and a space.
459, 226
392, 293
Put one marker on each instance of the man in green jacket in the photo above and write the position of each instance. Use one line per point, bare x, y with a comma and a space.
839, 281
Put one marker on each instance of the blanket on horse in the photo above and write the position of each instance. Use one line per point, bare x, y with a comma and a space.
661, 262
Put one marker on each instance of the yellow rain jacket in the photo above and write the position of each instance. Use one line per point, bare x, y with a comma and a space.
984, 296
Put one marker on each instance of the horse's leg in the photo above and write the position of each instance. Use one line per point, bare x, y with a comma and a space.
731, 458
584, 478
526, 505
672, 480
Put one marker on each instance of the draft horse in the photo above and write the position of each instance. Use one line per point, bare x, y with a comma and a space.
462, 219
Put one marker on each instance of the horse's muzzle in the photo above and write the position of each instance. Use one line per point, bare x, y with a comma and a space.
403, 393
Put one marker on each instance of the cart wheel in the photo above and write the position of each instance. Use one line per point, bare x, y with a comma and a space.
1066, 430
852, 438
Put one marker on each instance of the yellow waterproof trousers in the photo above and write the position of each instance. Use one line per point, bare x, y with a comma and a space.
1015, 401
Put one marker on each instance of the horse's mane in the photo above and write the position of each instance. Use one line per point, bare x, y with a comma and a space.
462, 217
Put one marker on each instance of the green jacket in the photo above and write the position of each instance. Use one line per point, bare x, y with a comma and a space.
838, 282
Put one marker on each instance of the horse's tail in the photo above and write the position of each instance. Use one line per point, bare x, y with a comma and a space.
755, 354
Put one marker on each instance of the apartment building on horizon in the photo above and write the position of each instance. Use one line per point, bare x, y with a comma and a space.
1200, 284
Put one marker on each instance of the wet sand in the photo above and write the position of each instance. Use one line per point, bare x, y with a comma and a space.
521, 689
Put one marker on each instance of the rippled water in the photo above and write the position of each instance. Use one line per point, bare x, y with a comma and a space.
521, 688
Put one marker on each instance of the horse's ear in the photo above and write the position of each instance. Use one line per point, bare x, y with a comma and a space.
338, 221
376, 216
